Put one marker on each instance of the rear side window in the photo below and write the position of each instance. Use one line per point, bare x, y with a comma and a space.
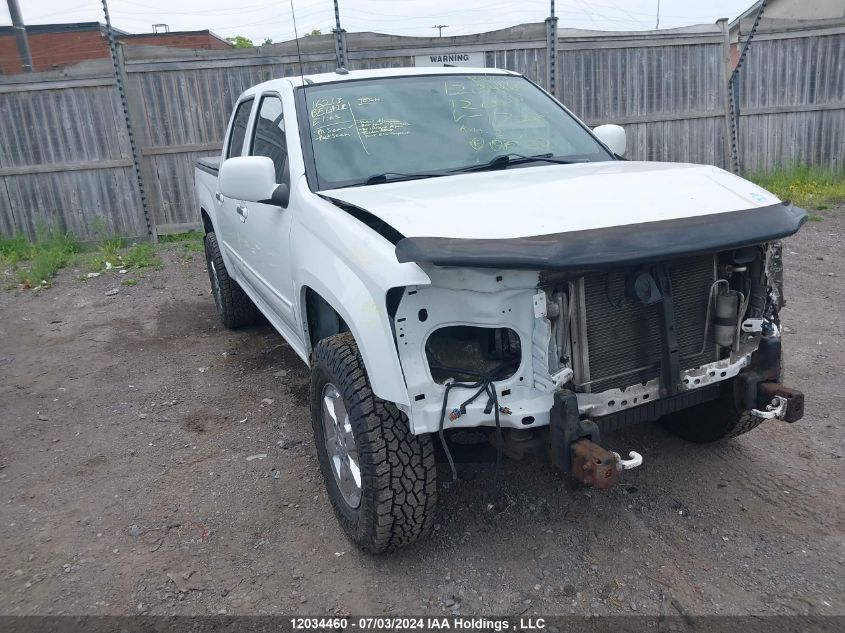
238, 134
269, 135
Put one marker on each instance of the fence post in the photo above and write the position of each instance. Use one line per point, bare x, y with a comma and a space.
551, 56
726, 82
140, 133
340, 51
120, 79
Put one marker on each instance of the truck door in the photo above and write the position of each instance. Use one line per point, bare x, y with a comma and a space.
228, 220
263, 241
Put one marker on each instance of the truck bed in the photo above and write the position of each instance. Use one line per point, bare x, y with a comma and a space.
210, 164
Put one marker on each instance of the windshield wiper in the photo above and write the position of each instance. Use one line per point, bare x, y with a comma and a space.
395, 176
504, 160
497, 162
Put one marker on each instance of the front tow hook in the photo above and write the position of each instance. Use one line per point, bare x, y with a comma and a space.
783, 403
574, 448
627, 464
595, 466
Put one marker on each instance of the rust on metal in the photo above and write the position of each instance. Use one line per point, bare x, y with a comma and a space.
593, 465
794, 399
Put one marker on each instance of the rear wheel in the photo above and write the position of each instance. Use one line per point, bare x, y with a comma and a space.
381, 479
712, 421
234, 307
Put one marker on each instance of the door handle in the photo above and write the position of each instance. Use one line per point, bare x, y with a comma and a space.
243, 212
219, 197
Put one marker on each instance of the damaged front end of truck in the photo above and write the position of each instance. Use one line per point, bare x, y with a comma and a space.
547, 343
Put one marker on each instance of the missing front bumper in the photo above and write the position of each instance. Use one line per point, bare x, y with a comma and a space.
574, 447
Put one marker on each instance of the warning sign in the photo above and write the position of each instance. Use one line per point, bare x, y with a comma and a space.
450, 58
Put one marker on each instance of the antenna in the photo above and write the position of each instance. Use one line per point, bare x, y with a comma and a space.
296, 35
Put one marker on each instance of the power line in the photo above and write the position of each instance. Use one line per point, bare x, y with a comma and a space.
440, 28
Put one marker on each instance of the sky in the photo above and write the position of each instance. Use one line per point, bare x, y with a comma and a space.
260, 19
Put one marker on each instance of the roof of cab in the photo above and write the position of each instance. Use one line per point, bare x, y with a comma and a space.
375, 73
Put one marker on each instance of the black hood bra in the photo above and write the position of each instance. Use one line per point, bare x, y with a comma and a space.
612, 246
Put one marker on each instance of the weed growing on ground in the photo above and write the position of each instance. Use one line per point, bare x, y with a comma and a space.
142, 256
806, 186
110, 255
192, 241
129, 282
35, 263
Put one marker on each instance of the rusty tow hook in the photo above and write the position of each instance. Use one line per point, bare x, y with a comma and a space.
593, 465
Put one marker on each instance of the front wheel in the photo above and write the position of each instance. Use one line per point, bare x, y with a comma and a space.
381, 479
712, 421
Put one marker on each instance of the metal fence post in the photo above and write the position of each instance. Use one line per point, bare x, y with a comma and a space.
551, 55
120, 79
734, 84
340, 48
726, 66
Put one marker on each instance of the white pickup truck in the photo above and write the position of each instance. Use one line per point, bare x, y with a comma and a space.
458, 258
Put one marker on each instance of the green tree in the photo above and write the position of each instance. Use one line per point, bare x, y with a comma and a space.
314, 32
267, 41
239, 41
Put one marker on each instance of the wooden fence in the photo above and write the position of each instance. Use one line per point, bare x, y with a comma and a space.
65, 158
667, 88
792, 96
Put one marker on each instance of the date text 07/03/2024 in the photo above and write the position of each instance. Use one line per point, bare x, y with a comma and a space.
418, 624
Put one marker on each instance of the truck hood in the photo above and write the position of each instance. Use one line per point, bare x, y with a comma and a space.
573, 217
553, 199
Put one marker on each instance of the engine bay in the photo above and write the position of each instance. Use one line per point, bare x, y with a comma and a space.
619, 338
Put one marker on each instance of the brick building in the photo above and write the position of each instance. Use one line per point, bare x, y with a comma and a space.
56, 45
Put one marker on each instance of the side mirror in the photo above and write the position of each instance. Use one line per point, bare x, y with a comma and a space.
280, 197
613, 136
248, 178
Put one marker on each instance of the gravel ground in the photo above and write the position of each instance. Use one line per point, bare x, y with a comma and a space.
152, 462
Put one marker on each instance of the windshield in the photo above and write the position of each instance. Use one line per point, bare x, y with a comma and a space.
407, 127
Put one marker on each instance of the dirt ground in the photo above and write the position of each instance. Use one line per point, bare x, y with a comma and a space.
153, 462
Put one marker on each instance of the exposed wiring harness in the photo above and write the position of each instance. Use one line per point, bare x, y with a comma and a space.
483, 385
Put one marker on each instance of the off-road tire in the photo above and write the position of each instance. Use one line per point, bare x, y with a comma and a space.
234, 307
398, 469
712, 421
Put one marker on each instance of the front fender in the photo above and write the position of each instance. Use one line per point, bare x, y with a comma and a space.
352, 268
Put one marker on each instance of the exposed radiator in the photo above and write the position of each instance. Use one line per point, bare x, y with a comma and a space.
623, 337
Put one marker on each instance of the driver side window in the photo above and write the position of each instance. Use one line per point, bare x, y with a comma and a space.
269, 137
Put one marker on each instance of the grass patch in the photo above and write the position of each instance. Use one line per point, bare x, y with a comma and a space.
806, 186
129, 282
108, 253
192, 241
192, 236
142, 256
35, 263
113, 254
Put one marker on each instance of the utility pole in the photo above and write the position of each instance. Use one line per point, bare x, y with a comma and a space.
20, 35
440, 28
339, 39
657, 26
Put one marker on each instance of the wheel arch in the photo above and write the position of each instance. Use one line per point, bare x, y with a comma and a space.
207, 223
323, 314
320, 318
